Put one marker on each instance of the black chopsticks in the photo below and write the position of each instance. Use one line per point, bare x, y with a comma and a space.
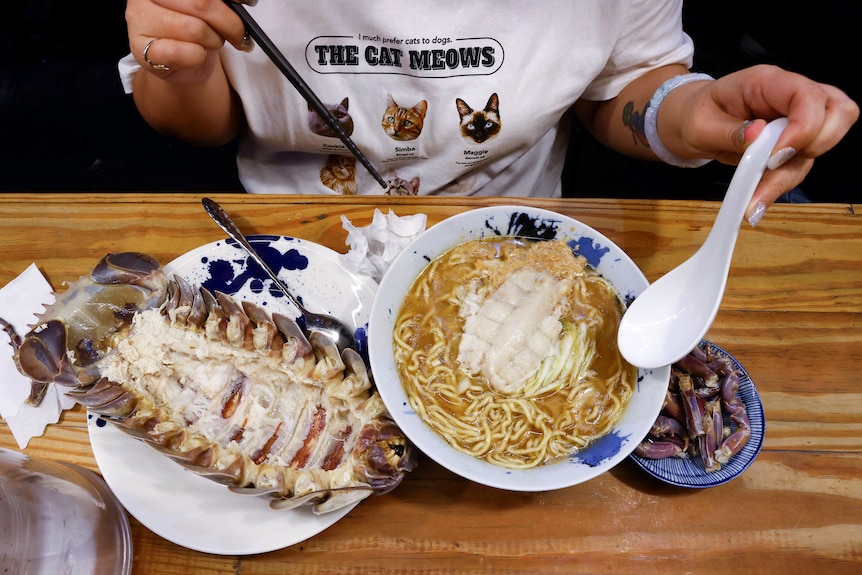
271, 50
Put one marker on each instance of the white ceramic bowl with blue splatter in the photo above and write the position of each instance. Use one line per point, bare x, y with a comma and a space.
528, 222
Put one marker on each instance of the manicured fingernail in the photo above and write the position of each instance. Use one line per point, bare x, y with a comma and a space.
742, 130
780, 157
247, 43
757, 214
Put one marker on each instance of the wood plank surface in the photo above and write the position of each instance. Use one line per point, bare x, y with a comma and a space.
792, 315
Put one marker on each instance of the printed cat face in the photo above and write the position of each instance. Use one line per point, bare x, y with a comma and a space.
401, 187
339, 174
479, 126
403, 123
339, 111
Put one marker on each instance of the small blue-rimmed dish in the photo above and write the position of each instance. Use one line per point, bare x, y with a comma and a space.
690, 471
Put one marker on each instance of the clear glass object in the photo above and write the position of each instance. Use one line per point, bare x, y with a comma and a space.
59, 518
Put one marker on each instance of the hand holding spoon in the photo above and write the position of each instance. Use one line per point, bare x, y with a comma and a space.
326, 324
672, 315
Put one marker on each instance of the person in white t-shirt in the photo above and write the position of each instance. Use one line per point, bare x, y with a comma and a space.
468, 98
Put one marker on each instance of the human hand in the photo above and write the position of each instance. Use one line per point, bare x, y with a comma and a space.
720, 119
181, 38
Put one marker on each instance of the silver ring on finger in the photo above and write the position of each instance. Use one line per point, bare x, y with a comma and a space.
153, 65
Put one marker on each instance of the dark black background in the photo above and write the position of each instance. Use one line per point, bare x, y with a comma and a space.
66, 125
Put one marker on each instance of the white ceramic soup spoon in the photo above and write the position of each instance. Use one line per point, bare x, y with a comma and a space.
672, 315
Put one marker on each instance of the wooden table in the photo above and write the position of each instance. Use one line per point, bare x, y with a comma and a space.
792, 315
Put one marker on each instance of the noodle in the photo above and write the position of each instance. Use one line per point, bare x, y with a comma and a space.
515, 410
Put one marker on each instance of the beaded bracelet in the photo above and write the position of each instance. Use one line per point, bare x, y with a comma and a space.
651, 117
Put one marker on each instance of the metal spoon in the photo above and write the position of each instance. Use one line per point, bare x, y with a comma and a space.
329, 326
671, 316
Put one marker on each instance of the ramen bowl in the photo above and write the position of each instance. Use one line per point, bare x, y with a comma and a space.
529, 223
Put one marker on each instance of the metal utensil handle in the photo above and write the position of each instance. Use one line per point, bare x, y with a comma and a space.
271, 50
225, 222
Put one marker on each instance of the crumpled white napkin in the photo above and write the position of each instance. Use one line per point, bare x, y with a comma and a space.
20, 301
374, 247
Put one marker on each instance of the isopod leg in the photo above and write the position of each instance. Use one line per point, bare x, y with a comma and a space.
712, 433
691, 406
659, 449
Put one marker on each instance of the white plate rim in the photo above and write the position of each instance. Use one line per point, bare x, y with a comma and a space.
214, 520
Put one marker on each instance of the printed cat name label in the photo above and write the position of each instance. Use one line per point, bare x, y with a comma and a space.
333, 148
405, 153
474, 157
432, 57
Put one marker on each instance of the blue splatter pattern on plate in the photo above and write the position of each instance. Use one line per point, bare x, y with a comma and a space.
312, 272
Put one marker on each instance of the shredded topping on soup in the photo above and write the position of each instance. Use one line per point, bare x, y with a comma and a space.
507, 348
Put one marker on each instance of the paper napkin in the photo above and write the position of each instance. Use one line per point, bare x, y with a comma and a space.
20, 301
374, 247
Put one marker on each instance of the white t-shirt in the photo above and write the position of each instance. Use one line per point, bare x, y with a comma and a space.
449, 97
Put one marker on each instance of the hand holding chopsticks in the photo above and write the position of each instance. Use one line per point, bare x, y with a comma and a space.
271, 50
